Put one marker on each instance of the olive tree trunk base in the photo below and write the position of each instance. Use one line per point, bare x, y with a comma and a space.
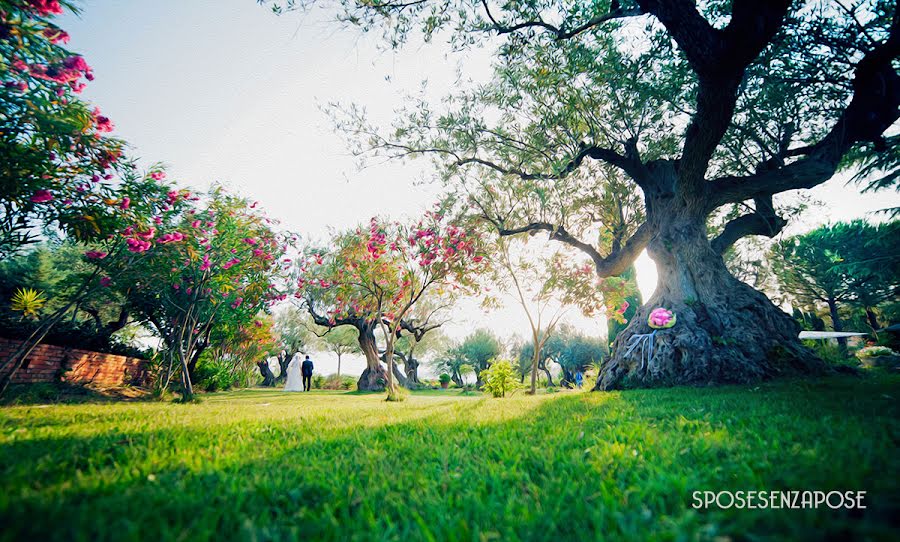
726, 332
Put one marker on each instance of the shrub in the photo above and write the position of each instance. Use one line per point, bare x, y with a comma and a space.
499, 378
399, 394
830, 352
318, 381
444, 378
335, 382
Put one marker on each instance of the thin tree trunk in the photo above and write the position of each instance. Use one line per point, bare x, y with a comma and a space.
837, 324
534, 362
873, 319
188, 388
339, 364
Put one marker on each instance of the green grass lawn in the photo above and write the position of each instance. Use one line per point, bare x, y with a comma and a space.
265, 465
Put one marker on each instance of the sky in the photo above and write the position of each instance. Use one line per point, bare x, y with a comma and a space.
225, 91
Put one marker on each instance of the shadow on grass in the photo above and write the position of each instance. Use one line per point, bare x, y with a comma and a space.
567, 467
65, 393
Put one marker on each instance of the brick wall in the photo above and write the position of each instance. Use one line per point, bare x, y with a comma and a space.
49, 363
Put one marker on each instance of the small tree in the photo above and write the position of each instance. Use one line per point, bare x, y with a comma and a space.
543, 284
215, 262
499, 378
340, 341
844, 263
375, 276
477, 350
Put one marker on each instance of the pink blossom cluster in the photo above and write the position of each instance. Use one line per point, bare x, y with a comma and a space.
101, 122
147, 234
69, 72
205, 264
158, 176
45, 7
55, 35
230, 263
173, 237
95, 255
377, 240
137, 245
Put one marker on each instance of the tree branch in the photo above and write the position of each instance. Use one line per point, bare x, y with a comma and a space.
559, 32
763, 221
614, 264
874, 107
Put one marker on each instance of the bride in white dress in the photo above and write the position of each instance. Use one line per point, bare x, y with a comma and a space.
294, 381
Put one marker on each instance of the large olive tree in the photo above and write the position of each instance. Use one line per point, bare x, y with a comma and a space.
706, 106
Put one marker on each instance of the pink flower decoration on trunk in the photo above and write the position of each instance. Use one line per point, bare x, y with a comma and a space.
661, 318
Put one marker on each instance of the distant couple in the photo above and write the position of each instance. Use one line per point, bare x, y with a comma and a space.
296, 382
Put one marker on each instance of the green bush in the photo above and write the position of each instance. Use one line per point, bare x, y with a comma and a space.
444, 378
318, 381
499, 378
830, 352
213, 375
335, 382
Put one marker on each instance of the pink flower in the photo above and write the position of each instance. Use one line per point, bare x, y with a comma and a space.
102, 123
46, 7
147, 235
237, 302
76, 62
137, 245
158, 176
157, 220
55, 35
41, 196
126, 203
105, 281
173, 237
195, 224
206, 264
477, 259
94, 255
623, 308
249, 241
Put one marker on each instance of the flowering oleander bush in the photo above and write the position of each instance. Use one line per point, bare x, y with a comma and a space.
59, 167
207, 262
378, 273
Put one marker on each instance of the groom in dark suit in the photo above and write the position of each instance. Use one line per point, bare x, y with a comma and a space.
307, 369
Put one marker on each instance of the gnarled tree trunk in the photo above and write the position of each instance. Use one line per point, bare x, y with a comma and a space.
374, 377
725, 332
